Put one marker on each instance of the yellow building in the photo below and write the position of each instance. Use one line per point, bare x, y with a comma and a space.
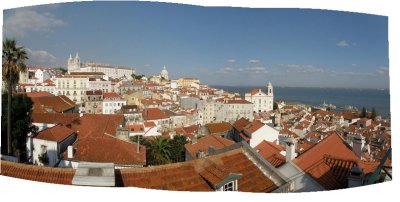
186, 82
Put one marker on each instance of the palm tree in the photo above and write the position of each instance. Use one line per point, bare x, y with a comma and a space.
159, 149
13, 63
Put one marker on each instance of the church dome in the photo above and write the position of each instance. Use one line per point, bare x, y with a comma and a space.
164, 73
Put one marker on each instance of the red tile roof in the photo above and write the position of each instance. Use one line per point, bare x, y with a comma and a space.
109, 149
241, 123
216, 128
56, 133
255, 91
39, 94
96, 125
154, 114
271, 152
37, 173
329, 162
198, 175
54, 118
149, 124
57, 103
204, 143
136, 127
253, 127
95, 141
238, 102
112, 95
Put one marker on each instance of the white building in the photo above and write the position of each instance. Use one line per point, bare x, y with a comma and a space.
75, 65
42, 74
47, 146
74, 87
258, 132
262, 102
112, 102
100, 84
236, 109
164, 73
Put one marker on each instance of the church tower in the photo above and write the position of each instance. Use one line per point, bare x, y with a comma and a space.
74, 64
270, 89
164, 73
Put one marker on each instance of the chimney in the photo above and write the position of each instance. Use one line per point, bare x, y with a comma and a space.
356, 177
290, 149
138, 145
194, 140
70, 151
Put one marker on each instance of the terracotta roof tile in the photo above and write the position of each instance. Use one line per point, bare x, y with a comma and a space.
197, 175
54, 118
238, 102
253, 126
271, 152
241, 123
154, 114
37, 173
149, 124
204, 143
39, 94
219, 127
56, 133
255, 91
111, 95
57, 103
329, 162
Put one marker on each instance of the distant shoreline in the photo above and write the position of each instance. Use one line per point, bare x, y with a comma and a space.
334, 88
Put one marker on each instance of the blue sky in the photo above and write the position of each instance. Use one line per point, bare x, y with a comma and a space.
218, 45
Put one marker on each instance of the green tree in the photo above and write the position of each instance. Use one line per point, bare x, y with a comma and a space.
13, 62
363, 112
275, 105
137, 77
373, 113
177, 148
21, 108
159, 149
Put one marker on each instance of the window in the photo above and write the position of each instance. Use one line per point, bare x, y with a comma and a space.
229, 186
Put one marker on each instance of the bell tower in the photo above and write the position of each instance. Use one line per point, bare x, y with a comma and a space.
74, 64
270, 89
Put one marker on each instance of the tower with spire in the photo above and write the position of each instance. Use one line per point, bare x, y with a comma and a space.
74, 64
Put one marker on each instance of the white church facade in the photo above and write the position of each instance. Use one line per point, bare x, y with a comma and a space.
262, 101
75, 65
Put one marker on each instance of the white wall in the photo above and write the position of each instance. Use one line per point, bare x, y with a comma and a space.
52, 152
264, 133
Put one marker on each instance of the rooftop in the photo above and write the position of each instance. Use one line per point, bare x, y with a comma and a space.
216, 128
204, 143
56, 133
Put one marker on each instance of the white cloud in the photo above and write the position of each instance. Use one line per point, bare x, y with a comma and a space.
254, 61
358, 73
248, 70
342, 43
147, 65
41, 58
23, 21
354, 65
231, 60
383, 70
304, 69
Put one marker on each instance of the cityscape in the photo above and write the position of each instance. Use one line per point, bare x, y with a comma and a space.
72, 119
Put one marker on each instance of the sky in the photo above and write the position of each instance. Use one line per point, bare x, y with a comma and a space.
218, 45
